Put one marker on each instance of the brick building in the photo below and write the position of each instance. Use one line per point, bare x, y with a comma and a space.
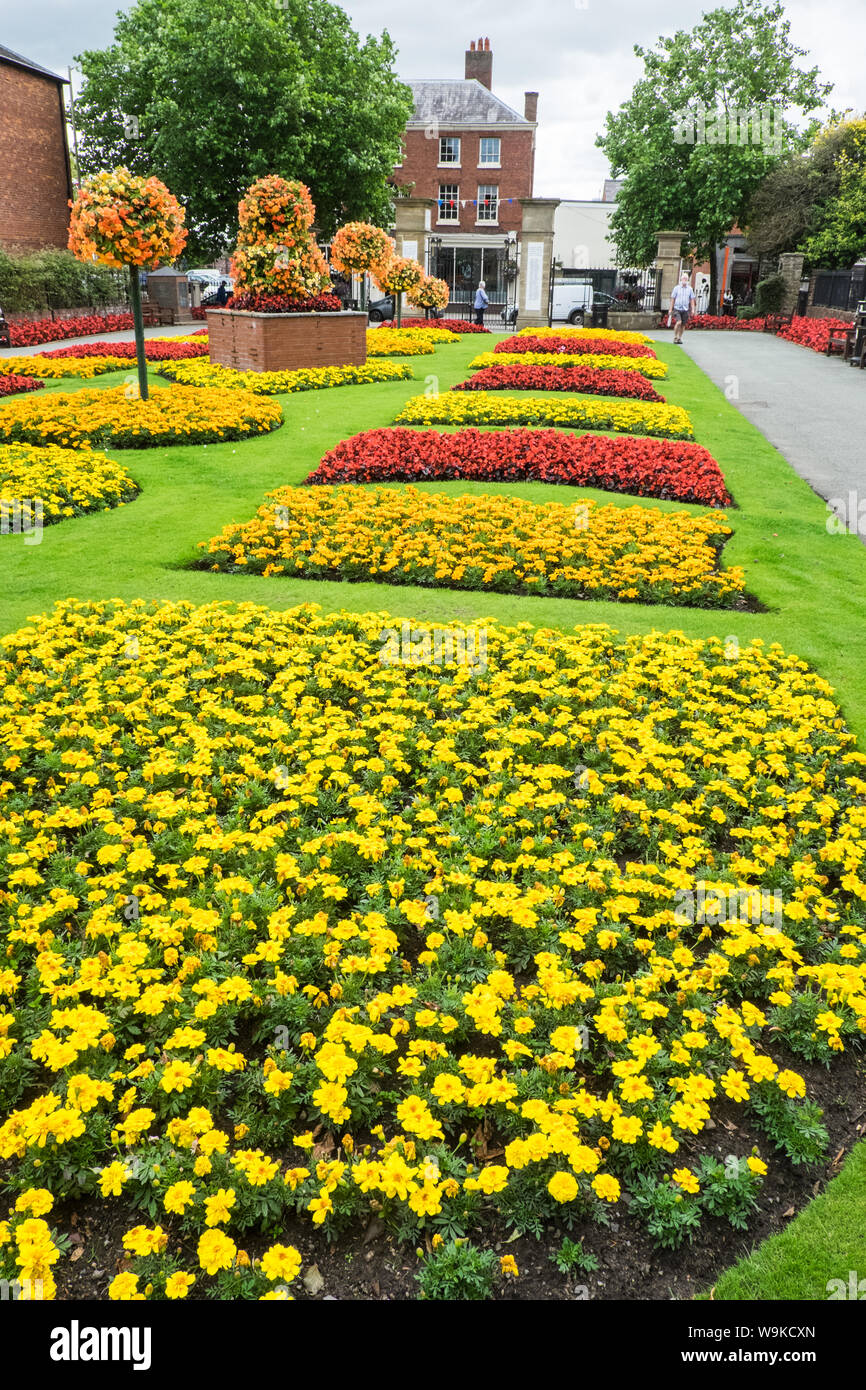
35, 180
469, 158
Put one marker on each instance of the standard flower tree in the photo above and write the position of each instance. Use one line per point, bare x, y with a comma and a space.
396, 276
359, 247
276, 253
122, 220
432, 293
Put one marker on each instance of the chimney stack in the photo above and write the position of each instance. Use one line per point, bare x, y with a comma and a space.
479, 63
530, 105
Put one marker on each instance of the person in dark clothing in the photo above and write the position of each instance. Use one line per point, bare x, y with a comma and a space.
222, 294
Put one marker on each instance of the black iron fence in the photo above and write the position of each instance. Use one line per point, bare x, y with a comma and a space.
621, 291
840, 289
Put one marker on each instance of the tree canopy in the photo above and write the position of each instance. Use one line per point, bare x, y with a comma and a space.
209, 95
679, 140
815, 202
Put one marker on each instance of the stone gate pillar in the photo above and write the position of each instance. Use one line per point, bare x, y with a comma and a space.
536, 259
791, 271
668, 264
412, 227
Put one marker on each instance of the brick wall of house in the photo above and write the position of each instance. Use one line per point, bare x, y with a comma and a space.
514, 178
34, 170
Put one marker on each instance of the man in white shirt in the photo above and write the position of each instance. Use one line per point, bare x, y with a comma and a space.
682, 300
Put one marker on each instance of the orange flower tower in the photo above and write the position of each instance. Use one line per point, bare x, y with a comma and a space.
276, 253
123, 220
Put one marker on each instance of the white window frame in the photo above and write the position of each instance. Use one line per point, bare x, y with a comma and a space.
450, 163
450, 221
487, 221
489, 163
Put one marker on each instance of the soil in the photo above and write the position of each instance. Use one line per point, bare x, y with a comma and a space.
370, 1266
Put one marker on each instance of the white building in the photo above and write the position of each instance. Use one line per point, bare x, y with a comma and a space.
580, 231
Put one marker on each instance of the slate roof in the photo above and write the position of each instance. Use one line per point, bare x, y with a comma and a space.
7, 56
460, 101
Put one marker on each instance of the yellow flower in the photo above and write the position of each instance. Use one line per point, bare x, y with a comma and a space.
179, 1284
562, 1187
216, 1251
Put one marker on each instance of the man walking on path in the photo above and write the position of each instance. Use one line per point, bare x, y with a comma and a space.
682, 300
481, 303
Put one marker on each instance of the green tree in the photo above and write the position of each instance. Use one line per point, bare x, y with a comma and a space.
212, 94
800, 206
688, 158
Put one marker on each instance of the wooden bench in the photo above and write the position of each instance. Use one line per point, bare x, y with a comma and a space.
841, 341
773, 322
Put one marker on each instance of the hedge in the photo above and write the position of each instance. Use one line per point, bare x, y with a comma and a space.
54, 279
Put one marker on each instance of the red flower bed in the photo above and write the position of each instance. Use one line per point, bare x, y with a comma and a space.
10, 384
668, 468
458, 326
51, 330
259, 303
609, 346
594, 381
723, 322
812, 333
155, 351
199, 312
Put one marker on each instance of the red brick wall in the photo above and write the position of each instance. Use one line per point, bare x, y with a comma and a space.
34, 171
285, 342
421, 167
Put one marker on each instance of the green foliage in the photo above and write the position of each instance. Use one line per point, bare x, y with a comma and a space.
571, 1255
226, 92
794, 1126
458, 1271
736, 58
669, 1215
54, 279
769, 295
815, 201
745, 311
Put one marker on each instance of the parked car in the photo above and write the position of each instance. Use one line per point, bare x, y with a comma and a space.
380, 309
571, 300
5, 335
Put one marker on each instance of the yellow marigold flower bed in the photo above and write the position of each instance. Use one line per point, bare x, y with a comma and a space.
622, 335
305, 899
425, 327
486, 542
647, 366
176, 415
197, 372
493, 408
397, 344
66, 482
54, 368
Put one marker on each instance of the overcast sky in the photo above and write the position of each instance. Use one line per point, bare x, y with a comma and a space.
576, 53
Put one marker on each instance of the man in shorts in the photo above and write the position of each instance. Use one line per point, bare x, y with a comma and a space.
682, 302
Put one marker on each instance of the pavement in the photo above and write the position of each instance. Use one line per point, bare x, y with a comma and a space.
125, 335
770, 381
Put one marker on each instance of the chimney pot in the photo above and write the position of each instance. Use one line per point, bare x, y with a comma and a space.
479, 63
530, 106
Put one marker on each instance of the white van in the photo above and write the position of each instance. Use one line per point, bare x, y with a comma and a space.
572, 299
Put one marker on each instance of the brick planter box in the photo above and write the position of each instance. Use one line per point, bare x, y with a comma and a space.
283, 342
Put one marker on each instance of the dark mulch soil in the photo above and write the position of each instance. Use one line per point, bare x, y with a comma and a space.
371, 1266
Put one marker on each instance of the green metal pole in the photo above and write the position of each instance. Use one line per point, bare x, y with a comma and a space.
135, 296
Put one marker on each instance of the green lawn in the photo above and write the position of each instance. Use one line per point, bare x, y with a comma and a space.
812, 584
